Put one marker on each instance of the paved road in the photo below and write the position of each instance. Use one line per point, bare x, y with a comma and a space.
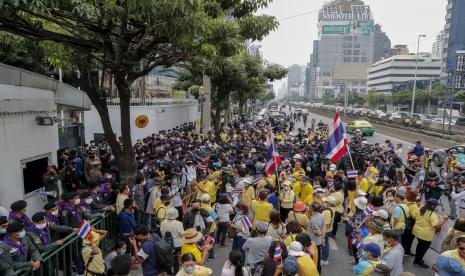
340, 261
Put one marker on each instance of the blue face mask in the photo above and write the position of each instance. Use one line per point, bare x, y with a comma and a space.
189, 269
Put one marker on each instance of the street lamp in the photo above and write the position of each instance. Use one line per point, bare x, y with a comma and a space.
415, 79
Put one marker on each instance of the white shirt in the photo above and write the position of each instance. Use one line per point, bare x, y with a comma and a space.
191, 173
176, 229
175, 201
459, 199
230, 270
222, 210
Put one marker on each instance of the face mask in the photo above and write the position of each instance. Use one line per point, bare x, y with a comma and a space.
55, 213
189, 269
77, 201
390, 198
88, 200
386, 244
22, 234
41, 226
2, 230
121, 251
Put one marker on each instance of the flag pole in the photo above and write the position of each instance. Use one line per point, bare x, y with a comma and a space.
350, 156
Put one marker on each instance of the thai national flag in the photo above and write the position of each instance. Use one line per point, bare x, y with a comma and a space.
366, 174
337, 143
272, 157
352, 174
356, 242
246, 222
277, 253
368, 211
84, 230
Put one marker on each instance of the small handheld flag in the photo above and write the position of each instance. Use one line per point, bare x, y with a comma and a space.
366, 174
356, 243
368, 211
352, 174
246, 222
277, 253
84, 230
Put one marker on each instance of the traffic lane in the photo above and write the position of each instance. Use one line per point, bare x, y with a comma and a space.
376, 138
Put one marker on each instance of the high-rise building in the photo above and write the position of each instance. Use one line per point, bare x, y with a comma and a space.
307, 86
454, 34
295, 76
348, 38
438, 44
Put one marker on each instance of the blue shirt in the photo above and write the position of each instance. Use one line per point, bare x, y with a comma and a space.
272, 199
127, 223
79, 170
419, 150
147, 252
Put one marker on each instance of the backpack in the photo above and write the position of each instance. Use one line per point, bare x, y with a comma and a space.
164, 254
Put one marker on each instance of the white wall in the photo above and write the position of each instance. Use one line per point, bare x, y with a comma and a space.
172, 116
21, 138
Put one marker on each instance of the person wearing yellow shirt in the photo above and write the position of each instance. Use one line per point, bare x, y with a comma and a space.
207, 187
189, 245
261, 208
328, 213
332, 171
162, 207
293, 229
338, 195
457, 254
286, 198
298, 214
400, 212
296, 188
426, 223
206, 205
249, 193
306, 188
305, 264
407, 236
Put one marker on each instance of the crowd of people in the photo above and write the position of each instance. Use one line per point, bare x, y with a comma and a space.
194, 194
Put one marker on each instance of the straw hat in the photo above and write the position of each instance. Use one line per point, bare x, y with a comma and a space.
191, 235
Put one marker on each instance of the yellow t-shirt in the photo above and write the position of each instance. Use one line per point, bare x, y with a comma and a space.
329, 219
424, 225
296, 188
210, 188
261, 210
306, 266
288, 199
289, 239
160, 212
364, 185
309, 199
97, 265
248, 195
305, 191
351, 196
339, 196
209, 209
454, 254
191, 248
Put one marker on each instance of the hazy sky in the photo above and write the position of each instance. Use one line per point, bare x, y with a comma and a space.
402, 20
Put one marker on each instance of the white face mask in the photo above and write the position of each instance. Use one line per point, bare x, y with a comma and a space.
88, 200
22, 234
55, 213
41, 226
2, 230
77, 201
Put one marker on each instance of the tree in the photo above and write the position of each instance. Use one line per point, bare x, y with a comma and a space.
126, 39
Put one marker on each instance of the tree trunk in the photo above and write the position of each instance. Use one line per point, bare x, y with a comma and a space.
216, 119
127, 162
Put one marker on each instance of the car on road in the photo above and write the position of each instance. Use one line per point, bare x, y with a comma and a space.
365, 127
441, 157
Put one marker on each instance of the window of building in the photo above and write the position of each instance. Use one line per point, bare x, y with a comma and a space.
356, 59
356, 52
348, 52
33, 169
357, 45
347, 59
364, 59
347, 45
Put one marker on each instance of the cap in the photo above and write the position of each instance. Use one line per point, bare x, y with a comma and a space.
261, 226
39, 216
49, 206
376, 225
18, 205
205, 197
295, 249
330, 200
299, 206
332, 167
373, 248
400, 195
69, 196
361, 202
14, 227
381, 214
85, 194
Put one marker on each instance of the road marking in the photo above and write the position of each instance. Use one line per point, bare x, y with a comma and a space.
332, 244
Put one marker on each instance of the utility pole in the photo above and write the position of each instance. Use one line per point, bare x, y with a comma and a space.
206, 116
429, 94
451, 101
412, 109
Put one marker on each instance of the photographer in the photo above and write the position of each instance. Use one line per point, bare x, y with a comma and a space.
458, 196
433, 186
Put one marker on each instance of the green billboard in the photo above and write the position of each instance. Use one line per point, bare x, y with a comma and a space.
336, 29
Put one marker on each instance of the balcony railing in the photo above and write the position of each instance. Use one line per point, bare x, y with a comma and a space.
60, 261
151, 101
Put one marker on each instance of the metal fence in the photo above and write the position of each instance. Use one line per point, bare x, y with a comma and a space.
62, 260
151, 101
